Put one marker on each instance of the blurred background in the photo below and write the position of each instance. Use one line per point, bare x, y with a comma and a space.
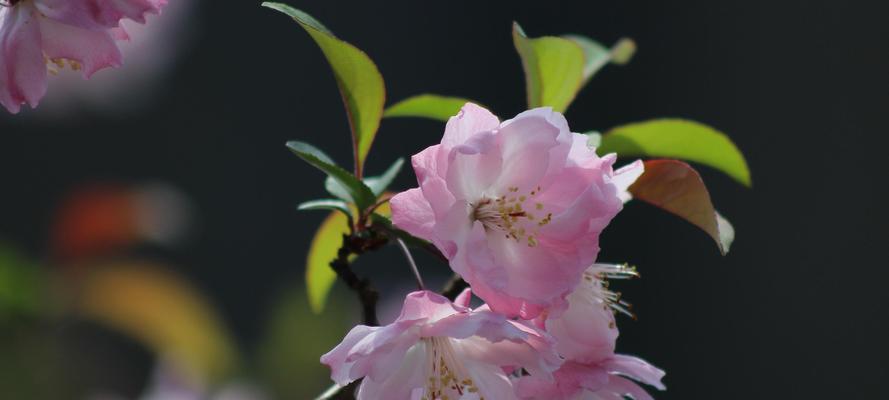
150, 246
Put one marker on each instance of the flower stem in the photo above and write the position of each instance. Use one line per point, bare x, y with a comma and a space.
410, 260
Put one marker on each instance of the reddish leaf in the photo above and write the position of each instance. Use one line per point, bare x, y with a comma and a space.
676, 187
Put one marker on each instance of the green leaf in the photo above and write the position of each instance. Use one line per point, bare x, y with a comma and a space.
597, 56
678, 138
378, 184
326, 204
356, 190
553, 69
323, 249
427, 105
677, 188
357, 77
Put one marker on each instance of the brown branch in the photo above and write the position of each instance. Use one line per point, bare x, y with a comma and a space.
356, 244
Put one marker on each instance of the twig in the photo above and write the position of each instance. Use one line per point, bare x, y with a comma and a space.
454, 287
367, 295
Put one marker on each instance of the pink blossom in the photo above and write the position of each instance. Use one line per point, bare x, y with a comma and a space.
586, 334
41, 35
516, 207
440, 350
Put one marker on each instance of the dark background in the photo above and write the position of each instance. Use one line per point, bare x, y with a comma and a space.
796, 310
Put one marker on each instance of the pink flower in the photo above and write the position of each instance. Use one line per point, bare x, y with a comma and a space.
607, 379
36, 35
517, 207
586, 334
437, 350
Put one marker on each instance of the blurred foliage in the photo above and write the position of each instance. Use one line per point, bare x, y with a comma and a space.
294, 340
160, 309
24, 286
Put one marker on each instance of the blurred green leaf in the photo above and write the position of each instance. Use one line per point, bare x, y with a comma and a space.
427, 105
322, 250
553, 69
597, 56
294, 339
23, 284
678, 138
379, 184
357, 77
356, 190
677, 188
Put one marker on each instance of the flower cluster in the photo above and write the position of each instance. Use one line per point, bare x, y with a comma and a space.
517, 208
42, 36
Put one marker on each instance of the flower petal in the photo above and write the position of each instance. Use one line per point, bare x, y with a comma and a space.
470, 120
625, 176
98, 14
22, 67
637, 369
93, 49
407, 382
412, 213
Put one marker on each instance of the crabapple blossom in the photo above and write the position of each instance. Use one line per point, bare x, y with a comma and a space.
437, 349
586, 334
517, 207
40, 36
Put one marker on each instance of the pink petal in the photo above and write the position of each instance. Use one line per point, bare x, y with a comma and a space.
412, 213
534, 145
406, 381
464, 298
637, 369
625, 176
470, 120
93, 49
98, 14
473, 166
585, 330
22, 67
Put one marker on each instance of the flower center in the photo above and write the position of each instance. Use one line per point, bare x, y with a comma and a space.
447, 376
513, 214
596, 277
54, 65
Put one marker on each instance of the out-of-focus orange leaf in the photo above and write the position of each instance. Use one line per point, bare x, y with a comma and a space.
676, 187
102, 219
93, 220
160, 309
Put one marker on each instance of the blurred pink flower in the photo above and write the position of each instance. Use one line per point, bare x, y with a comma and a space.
586, 334
517, 207
41, 35
440, 350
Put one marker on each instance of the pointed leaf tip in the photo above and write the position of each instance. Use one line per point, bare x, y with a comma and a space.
678, 138
553, 69
358, 79
676, 187
427, 105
